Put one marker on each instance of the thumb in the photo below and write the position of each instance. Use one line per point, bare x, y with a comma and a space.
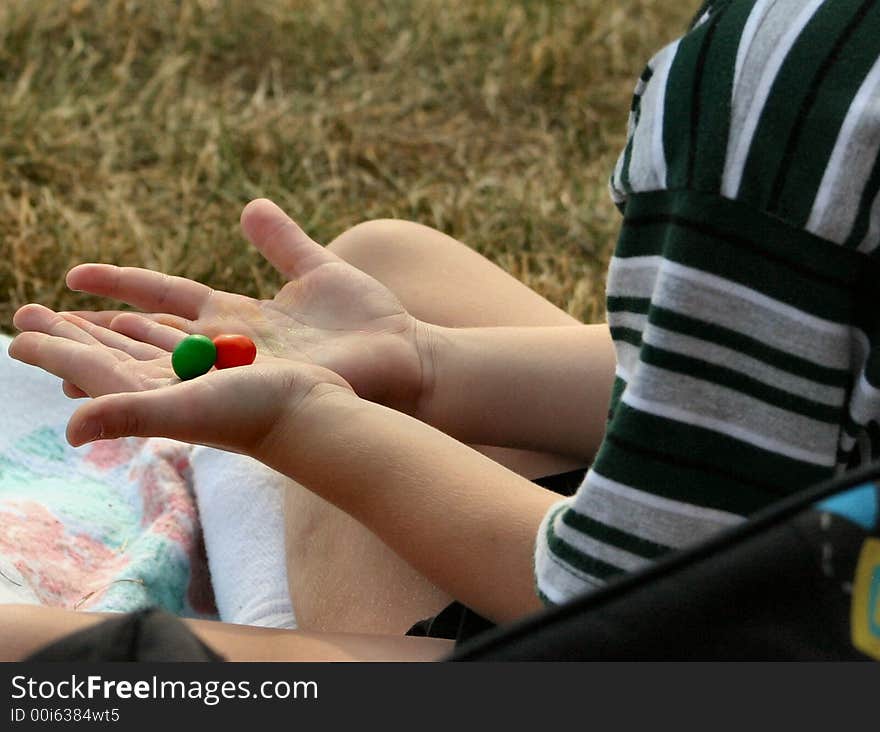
189, 412
281, 241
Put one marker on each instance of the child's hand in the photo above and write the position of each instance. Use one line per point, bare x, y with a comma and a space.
137, 393
329, 313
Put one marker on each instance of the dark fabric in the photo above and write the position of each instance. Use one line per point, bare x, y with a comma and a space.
565, 484
147, 635
778, 587
458, 622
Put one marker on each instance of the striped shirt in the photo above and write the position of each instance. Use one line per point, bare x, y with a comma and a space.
743, 292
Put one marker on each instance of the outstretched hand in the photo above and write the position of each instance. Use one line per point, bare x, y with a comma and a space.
329, 313
137, 393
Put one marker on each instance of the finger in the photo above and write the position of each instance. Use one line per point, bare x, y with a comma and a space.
134, 347
41, 319
147, 330
98, 317
185, 411
143, 288
71, 390
281, 241
92, 368
106, 317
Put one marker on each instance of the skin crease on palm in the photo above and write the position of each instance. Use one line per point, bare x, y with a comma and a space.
329, 314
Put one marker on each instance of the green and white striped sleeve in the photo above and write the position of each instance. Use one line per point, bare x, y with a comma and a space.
742, 292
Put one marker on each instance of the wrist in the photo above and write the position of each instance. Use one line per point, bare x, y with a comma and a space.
300, 431
430, 340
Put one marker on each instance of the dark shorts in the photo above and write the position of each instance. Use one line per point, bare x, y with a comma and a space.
457, 622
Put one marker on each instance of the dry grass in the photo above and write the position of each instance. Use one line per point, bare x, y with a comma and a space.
134, 132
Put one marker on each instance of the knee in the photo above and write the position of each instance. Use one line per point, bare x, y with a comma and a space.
373, 246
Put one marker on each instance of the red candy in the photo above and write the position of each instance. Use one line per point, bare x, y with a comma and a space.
234, 350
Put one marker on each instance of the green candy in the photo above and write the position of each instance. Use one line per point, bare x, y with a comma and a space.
193, 356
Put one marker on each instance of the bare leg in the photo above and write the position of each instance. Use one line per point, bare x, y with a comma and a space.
25, 629
342, 577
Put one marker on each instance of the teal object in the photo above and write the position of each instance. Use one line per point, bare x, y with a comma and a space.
193, 356
861, 505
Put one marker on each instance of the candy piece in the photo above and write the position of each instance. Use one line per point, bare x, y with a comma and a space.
234, 350
193, 356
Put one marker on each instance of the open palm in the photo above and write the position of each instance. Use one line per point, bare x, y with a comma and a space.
135, 390
328, 313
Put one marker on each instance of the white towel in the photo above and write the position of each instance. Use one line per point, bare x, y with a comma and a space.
242, 511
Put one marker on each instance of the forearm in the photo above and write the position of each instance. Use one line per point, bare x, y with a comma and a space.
532, 388
462, 520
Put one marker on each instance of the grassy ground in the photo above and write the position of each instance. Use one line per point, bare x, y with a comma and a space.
134, 132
